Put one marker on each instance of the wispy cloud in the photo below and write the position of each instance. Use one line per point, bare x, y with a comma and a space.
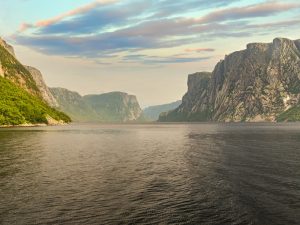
257, 10
200, 50
107, 27
173, 59
56, 19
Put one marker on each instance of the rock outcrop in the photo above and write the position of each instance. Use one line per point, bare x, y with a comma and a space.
41, 85
256, 84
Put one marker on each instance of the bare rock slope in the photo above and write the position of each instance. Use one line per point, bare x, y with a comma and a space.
260, 83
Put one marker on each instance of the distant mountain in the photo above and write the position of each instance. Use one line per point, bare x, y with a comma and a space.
261, 83
74, 105
152, 113
115, 106
22, 95
109, 107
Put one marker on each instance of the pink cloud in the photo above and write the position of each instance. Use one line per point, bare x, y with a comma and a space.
256, 10
74, 12
199, 50
25, 26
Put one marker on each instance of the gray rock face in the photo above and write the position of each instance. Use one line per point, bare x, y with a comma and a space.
43, 88
195, 105
256, 84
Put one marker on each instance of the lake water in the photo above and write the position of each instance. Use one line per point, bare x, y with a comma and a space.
151, 174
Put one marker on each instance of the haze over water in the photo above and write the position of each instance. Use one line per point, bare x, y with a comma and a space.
151, 174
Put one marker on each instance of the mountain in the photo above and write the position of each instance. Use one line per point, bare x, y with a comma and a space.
13, 70
21, 98
74, 105
260, 83
109, 107
115, 106
152, 112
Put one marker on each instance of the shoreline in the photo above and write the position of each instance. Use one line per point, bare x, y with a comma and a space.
31, 125
145, 123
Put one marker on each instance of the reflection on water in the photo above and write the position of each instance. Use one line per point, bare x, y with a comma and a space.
151, 174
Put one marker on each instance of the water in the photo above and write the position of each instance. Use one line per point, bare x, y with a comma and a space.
151, 174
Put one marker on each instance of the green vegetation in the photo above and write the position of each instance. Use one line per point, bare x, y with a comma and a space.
16, 72
17, 106
291, 115
74, 105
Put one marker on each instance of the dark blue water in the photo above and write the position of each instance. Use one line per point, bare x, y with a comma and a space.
151, 174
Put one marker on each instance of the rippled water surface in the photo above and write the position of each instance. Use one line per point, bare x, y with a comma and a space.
151, 174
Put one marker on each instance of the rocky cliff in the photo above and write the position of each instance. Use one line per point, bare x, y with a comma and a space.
109, 107
41, 85
13, 70
115, 106
22, 93
260, 83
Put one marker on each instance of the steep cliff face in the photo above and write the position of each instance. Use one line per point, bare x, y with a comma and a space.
12, 69
195, 105
115, 106
256, 84
21, 99
41, 85
27, 77
109, 107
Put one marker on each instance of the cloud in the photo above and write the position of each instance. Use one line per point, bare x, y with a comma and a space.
105, 28
154, 60
200, 50
79, 10
256, 10
97, 18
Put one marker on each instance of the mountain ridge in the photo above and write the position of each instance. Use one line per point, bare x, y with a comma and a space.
108, 107
22, 100
259, 83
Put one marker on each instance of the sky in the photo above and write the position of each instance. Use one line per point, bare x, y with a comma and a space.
142, 47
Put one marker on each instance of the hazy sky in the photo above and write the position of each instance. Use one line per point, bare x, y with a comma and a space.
143, 47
